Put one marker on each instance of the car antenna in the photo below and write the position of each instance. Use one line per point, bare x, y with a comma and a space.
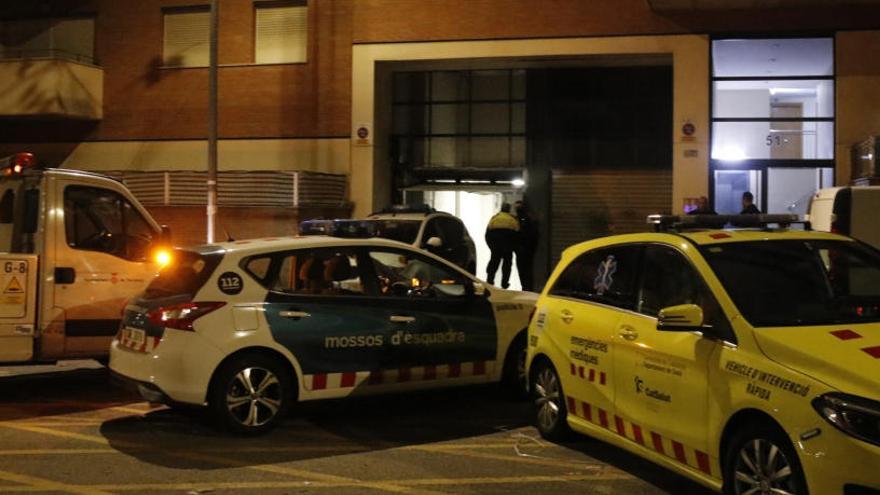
228, 237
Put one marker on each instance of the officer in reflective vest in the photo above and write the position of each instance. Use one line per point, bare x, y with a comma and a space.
501, 236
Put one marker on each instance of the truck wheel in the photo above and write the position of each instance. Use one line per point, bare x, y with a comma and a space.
760, 459
250, 394
514, 378
550, 411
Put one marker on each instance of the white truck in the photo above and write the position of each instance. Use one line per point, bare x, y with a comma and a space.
74, 247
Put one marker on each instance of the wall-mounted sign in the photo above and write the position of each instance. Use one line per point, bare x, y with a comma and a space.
687, 132
363, 135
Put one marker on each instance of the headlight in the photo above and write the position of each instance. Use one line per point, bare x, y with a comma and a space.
852, 415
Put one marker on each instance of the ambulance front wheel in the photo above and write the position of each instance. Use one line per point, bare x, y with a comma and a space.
250, 394
761, 459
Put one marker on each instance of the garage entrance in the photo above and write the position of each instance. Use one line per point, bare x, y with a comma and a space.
586, 141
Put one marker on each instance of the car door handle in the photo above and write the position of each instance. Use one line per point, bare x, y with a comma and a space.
566, 315
628, 333
402, 319
293, 314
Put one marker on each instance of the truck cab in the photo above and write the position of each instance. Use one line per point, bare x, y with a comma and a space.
74, 247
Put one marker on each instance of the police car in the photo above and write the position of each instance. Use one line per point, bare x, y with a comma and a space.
747, 360
250, 327
420, 225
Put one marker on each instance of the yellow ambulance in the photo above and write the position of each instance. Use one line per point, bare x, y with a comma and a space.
745, 359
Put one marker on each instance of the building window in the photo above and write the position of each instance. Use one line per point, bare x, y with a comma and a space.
69, 39
281, 32
772, 121
460, 119
186, 41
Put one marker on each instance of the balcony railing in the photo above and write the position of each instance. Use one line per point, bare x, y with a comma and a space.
7, 53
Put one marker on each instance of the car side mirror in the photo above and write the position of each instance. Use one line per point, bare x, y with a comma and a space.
434, 242
681, 318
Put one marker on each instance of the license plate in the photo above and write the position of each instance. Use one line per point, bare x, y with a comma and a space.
133, 337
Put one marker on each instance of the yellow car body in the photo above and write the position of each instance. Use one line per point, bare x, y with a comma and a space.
677, 397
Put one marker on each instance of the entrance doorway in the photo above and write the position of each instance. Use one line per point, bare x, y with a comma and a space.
475, 209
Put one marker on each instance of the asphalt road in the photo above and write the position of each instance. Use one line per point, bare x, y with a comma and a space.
67, 429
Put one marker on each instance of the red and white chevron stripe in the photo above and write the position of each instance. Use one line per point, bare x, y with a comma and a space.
591, 375
350, 379
652, 440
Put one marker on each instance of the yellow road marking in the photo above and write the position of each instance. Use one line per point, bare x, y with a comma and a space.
539, 461
40, 484
341, 448
223, 461
406, 484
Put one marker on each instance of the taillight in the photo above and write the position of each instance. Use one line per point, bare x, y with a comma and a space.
182, 316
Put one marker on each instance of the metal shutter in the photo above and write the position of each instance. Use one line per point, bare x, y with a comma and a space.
236, 188
186, 39
281, 33
586, 206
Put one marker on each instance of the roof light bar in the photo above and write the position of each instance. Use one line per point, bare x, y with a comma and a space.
696, 222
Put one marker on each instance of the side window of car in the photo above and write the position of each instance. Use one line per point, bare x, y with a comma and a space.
139, 235
405, 274
604, 275
452, 234
669, 279
309, 272
101, 220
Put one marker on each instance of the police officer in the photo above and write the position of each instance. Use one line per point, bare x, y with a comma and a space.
525, 248
501, 236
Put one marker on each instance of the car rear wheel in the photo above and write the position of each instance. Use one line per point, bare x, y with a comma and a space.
251, 393
760, 460
515, 379
550, 411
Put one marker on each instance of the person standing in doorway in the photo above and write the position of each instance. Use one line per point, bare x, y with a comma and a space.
501, 237
703, 207
526, 246
748, 203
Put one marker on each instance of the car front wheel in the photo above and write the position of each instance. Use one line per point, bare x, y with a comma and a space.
550, 411
251, 393
760, 460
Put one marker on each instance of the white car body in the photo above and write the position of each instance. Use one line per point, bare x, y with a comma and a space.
178, 366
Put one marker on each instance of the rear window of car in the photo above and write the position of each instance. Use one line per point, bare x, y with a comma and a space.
186, 273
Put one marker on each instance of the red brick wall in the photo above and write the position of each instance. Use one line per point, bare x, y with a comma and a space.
144, 101
413, 20
187, 223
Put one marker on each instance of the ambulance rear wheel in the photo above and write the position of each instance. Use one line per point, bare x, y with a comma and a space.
551, 414
761, 459
250, 394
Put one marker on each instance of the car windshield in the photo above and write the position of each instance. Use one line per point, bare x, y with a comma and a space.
799, 282
396, 230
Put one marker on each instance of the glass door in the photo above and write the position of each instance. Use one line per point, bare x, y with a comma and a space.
730, 186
